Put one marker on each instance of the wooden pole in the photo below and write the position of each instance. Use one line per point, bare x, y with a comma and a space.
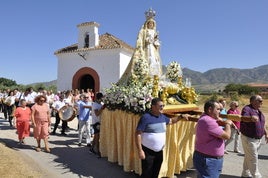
195, 115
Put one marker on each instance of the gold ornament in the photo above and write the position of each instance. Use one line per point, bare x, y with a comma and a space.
172, 89
155, 86
164, 95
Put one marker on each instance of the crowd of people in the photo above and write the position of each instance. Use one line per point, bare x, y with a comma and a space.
213, 133
29, 108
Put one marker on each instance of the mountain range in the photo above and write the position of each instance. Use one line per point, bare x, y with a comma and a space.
217, 79
228, 75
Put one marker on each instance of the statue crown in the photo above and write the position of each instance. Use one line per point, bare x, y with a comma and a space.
150, 14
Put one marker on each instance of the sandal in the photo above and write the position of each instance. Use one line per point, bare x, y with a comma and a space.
47, 150
38, 149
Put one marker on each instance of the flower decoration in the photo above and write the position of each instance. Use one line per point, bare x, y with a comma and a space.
136, 96
141, 69
173, 71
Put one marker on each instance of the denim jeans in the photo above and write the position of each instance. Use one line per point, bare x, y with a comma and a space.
207, 167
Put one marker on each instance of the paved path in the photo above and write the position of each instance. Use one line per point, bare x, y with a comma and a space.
67, 159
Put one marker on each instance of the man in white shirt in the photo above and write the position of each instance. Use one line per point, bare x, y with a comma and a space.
57, 105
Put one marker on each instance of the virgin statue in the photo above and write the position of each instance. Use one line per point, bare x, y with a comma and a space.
150, 45
146, 51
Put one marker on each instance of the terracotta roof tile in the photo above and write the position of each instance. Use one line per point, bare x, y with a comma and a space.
258, 84
107, 41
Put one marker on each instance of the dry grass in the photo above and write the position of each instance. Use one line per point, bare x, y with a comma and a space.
264, 107
15, 165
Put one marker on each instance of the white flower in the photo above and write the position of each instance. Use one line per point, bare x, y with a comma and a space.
134, 98
141, 68
173, 71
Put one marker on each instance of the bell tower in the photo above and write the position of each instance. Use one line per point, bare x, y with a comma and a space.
88, 35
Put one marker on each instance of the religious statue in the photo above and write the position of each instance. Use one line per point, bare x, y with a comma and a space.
148, 37
146, 51
143, 78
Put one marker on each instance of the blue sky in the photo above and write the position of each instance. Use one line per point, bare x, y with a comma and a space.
199, 34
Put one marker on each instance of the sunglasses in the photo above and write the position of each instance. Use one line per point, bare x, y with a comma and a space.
162, 105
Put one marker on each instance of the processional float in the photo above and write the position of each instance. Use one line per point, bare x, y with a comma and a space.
144, 79
131, 96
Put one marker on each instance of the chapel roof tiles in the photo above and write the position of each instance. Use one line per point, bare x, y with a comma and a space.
107, 41
260, 85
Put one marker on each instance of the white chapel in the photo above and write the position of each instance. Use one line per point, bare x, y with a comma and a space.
94, 62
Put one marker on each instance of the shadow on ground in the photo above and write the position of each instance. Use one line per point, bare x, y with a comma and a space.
80, 161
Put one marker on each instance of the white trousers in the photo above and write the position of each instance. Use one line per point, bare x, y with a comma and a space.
250, 165
83, 125
234, 136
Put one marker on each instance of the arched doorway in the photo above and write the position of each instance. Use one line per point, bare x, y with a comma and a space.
86, 78
86, 82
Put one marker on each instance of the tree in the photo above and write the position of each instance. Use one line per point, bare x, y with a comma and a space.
240, 89
7, 82
11, 84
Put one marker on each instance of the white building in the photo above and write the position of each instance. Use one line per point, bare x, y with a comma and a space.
94, 62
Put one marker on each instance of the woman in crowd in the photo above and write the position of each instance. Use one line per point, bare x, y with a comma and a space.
22, 120
90, 93
69, 98
235, 134
41, 121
